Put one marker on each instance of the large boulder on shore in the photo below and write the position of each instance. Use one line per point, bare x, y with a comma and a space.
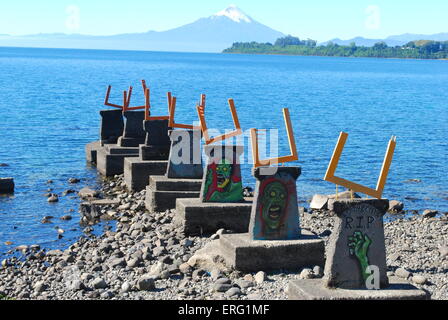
396, 206
320, 202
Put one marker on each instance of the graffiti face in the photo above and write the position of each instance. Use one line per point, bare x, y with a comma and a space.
223, 183
274, 202
224, 173
275, 215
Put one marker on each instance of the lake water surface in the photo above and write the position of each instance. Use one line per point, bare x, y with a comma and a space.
50, 98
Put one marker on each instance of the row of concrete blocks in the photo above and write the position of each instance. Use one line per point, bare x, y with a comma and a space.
198, 218
238, 250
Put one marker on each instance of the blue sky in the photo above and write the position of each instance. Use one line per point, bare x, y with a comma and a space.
317, 19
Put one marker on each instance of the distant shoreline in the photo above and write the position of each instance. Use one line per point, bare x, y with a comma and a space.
217, 53
419, 49
322, 56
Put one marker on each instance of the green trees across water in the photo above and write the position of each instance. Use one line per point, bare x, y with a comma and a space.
422, 49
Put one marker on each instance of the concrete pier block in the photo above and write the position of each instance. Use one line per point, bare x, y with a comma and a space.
91, 151
153, 156
162, 192
157, 141
198, 218
133, 127
112, 126
133, 133
6, 185
110, 159
137, 172
356, 258
222, 182
313, 290
130, 142
247, 255
149, 153
275, 213
185, 161
358, 223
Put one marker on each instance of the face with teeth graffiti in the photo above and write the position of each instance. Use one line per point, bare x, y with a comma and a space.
273, 209
224, 172
223, 183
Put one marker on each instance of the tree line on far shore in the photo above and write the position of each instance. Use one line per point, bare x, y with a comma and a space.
421, 49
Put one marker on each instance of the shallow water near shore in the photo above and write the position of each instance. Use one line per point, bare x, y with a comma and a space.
51, 98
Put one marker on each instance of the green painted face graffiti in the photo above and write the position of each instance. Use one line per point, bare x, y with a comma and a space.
274, 202
224, 173
221, 184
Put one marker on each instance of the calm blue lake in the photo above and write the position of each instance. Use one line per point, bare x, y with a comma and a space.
49, 103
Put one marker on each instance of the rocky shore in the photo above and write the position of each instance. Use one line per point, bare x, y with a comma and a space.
146, 257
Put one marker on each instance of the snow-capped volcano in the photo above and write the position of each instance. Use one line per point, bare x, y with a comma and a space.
211, 34
234, 13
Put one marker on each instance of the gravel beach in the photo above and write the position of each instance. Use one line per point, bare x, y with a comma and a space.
146, 258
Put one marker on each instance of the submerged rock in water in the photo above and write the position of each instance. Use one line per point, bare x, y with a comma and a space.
67, 192
47, 219
413, 181
6, 185
53, 198
87, 193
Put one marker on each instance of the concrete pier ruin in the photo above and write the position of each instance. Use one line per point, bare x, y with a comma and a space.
274, 241
356, 259
153, 156
111, 128
221, 204
110, 158
183, 177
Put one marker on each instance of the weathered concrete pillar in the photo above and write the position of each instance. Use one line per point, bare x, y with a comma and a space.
112, 126
157, 141
153, 156
133, 134
221, 204
356, 259
184, 174
274, 240
185, 161
275, 213
110, 159
357, 242
222, 182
